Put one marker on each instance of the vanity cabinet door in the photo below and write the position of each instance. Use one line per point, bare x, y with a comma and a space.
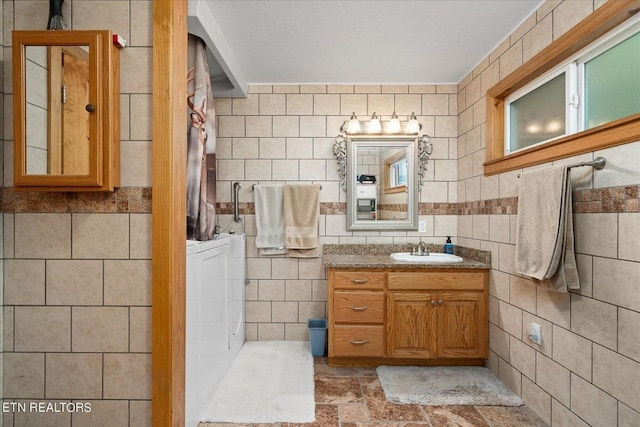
411, 325
462, 327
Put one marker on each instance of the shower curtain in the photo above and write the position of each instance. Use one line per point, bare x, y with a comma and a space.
201, 145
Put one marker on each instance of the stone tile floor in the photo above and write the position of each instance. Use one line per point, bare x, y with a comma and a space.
353, 397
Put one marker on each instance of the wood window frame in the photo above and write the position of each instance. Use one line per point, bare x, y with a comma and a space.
617, 132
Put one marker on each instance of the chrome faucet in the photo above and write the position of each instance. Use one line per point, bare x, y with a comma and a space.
421, 249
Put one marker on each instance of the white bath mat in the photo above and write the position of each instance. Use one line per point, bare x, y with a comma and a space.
445, 385
269, 382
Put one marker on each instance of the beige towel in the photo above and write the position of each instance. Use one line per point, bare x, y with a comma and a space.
544, 232
269, 219
301, 206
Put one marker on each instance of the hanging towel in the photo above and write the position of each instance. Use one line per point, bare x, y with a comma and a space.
301, 205
269, 219
544, 231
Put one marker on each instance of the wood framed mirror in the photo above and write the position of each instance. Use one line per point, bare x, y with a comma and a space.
66, 110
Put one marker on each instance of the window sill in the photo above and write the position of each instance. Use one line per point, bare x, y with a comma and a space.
618, 132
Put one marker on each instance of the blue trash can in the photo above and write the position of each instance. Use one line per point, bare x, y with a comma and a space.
317, 336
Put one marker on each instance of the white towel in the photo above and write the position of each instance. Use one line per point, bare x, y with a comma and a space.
544, 232
269, 219
301, 205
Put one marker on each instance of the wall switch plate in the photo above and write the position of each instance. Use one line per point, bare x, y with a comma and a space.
422, 226
535, 333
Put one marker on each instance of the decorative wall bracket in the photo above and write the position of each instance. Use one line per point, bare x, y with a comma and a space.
425, 149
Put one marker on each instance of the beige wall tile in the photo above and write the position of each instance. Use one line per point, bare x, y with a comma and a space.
312, 126
282, 311
136, 163
357, 103
142, 13
522, 357
313, 89
270, 331
140, 113
299, 105
42, 235
381, 104
273, 104
140, 329
628, 338
245, 106
510, 376
112, 412
296, 332
140, 413
311, 310
112, 14
561, 416
127, 282
553, 378
499, 341
127, 376
258, 170
594, 320
74, 282
135, 70
554, 306
511, 60
537, 399
245, 148
284, 268
23, 375
272, 148
24, 282
627, 417
628, 232
623, 168
74, 376
510, 319
286, 126
258, 311
42, 328
568, 14
522, 293
271, 290
499, 285
617, 375
616, 282
595, 234
298, 290
259, 126
326, 104
286, 88
50, 419
538, 38
285, 170
591, 404
100, 236
100, 329
231, 126
140, 234
572, 351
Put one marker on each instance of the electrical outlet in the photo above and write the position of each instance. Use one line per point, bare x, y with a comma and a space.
535, 333
422, 226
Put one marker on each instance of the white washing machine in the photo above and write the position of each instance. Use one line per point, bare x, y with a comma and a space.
214, 317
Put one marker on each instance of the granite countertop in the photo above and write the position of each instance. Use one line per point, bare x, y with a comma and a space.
378, 256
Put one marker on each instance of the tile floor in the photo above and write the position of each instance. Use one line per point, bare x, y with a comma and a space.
353, 397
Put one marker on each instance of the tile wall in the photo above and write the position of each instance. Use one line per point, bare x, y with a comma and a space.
587, 370
77, 268
2, 143
286, 133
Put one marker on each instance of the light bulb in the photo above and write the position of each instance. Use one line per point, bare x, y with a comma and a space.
394, 124
353, 126
412, 125
374, 124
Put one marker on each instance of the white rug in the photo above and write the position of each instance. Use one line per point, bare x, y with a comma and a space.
445, 385
269, 382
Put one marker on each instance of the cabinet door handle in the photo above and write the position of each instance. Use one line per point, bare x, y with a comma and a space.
355, 308
354, 342
440, 302
359, 280
433, 302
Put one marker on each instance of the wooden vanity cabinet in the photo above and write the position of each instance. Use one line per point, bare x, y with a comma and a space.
428, 317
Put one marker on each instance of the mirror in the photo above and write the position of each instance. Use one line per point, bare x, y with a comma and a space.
382, 175
66, 110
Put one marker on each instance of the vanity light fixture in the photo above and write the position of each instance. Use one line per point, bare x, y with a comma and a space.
353, 125
375, 126
412, 125
394, 124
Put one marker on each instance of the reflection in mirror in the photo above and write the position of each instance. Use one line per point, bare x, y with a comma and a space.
382, 175
57, 110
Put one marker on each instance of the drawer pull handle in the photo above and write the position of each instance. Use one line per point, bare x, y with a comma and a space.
354, 308
433, 302
359, 280
363, 342
440, 302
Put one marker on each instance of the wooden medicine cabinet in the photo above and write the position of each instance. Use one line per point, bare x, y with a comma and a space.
66, 108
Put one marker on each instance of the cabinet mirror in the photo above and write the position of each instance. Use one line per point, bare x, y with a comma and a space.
382, 175
66, 110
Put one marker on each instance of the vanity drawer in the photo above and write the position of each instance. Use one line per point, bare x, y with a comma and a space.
356, 340
450, 280
358, 307
358, 280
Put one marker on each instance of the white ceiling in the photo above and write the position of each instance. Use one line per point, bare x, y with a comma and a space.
357, 41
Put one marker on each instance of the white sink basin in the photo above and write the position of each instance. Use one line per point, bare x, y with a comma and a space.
432, 258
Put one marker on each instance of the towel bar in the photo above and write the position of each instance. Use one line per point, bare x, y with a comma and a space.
598, 164
253, 187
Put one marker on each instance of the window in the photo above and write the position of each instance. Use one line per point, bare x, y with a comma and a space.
598, 85
532, 120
